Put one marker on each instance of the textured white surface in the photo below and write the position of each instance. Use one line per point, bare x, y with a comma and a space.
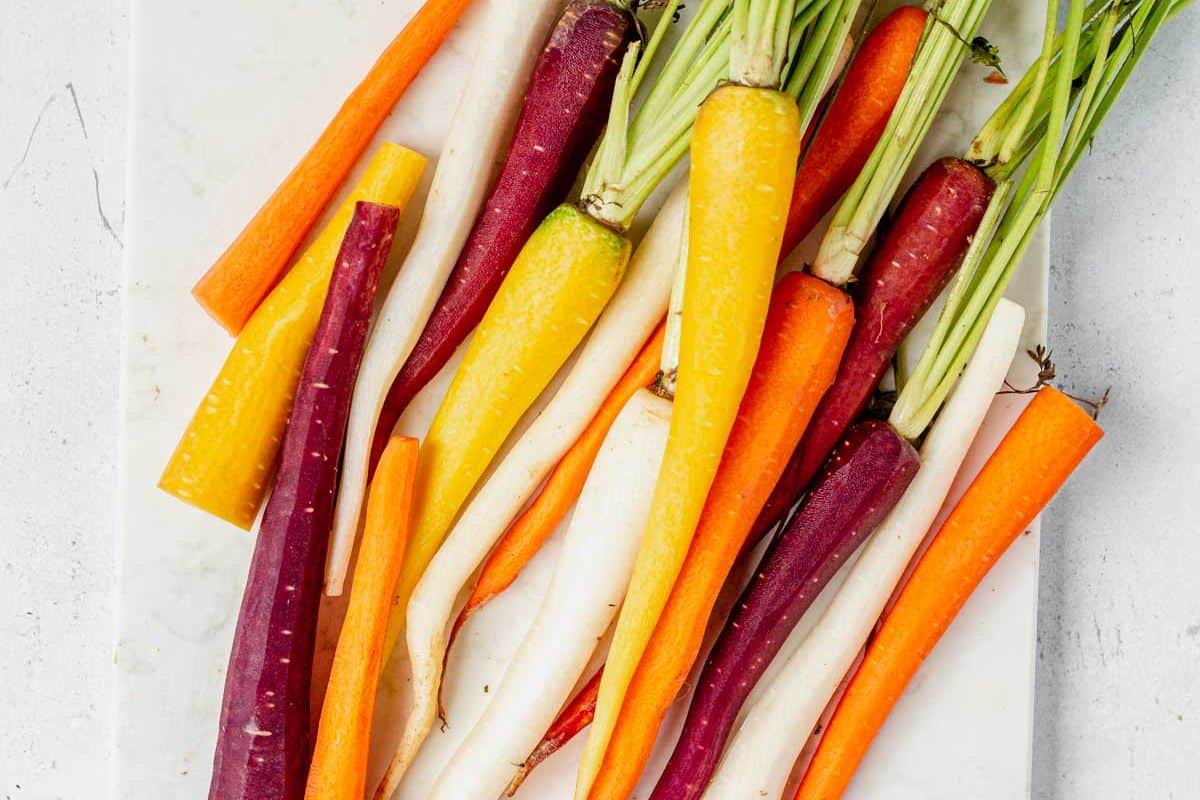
1120, 620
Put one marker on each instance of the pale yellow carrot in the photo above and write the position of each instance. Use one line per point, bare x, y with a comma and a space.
558, 286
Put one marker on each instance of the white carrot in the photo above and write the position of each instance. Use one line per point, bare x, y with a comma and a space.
589, 581
629, 319
761, 753
489, 102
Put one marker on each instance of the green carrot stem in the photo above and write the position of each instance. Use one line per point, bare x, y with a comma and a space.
652, 45
633, 158
665, 384
761, 30
943, 46
1013, 136
1074, 114
985, 147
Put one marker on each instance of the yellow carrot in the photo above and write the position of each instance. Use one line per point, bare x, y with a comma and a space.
224, 460
558, 286
744, 152
339, 763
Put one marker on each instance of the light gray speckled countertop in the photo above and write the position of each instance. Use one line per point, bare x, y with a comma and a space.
1118, 711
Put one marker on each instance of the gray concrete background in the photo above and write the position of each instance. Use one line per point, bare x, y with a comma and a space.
1118, 711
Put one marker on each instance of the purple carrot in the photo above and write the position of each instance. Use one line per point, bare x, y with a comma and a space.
566, 107
263, 741
858, 486
917, 256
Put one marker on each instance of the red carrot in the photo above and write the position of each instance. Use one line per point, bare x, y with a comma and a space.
574, 718
565, 109
913, 263
263, 742
1049, 439
855, 120
859, 485
235, 285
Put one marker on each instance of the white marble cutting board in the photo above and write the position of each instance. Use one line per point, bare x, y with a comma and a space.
226, 96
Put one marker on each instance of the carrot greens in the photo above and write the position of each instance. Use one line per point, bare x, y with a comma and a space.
1058, 114
947, 40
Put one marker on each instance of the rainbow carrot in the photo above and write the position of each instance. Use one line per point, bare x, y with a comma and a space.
234, 286
744, 151
1035, 458
339, 763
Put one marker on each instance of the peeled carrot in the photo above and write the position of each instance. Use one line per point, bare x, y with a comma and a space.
530, 531
224, 459
744, 151
806, 331
264, 735
1035, 458
234, 286
339, 763
855, 120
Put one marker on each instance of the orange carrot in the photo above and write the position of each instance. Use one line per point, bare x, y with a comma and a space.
574, 718
530, 531
1033, 461
239, 280
807, 327
855, 120
339, 764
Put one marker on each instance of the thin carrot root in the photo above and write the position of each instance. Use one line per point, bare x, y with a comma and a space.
575, 717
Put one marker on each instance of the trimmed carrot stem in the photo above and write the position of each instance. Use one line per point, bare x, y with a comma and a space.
806, 331
531, 530
224, 460
1035, 458
339, 765
235, 285
855, 120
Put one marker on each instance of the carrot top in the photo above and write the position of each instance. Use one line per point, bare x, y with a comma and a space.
1051, 118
